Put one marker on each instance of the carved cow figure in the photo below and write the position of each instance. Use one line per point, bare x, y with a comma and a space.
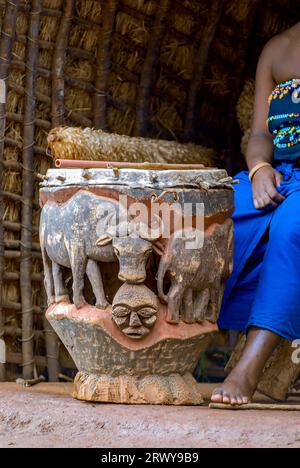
69, 235
132, 250
197, 276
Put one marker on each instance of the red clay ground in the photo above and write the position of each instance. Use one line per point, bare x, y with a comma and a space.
46, 416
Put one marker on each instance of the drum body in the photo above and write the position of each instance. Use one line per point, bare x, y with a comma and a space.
149, 252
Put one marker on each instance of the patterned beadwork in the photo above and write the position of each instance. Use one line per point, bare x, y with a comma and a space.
282, 117
288, 134
283, 89
287, 137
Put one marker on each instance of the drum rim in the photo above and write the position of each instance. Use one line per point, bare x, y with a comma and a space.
134, 178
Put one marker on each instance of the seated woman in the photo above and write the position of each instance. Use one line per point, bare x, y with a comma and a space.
263, 295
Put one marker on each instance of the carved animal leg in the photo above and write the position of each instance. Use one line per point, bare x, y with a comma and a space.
201, 305
174, 302
94, 275
221, 294
78, 265
188, 307
49, 283
61, 293
214, 302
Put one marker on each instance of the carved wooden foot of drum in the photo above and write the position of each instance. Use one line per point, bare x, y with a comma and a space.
174, 389
149, 252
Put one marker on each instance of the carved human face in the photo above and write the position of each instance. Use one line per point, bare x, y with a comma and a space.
134, 322
134, 310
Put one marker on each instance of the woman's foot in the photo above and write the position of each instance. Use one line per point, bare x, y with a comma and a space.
236, 390
241, 384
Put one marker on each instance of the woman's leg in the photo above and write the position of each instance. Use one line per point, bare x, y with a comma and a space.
275, 312
250, 244
241, 384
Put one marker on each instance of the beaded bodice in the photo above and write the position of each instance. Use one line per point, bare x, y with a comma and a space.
284, 120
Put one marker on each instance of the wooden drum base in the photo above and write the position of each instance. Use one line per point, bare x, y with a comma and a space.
151, 390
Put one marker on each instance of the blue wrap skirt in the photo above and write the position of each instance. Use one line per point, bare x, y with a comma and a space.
264, 289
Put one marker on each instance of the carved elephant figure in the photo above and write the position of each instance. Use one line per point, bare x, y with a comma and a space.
69, 235
197, 276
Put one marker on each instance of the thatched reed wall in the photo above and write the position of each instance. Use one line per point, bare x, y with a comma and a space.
170, 69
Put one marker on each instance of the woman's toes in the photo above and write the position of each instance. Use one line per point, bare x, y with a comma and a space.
226, 399
217, 396
234, 401
245, 400
239, 400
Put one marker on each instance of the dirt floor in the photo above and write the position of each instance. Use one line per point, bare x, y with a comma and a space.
46, 416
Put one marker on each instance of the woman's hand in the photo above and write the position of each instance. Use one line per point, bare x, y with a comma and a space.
264, 188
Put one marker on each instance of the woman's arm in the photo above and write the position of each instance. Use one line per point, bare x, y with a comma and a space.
261, 147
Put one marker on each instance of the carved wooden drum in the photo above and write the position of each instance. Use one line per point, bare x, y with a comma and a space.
148, 252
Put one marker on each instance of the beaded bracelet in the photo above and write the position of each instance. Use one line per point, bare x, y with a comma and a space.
257, 168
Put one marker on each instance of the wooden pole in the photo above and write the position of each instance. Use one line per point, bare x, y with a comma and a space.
59, 59
52, 345
58, 118
104, 64
148, 77
213, 19
7, 38
28, 191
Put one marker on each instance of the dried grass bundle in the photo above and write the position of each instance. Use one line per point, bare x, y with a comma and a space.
89, 10
13, 182
12, 211
12, 153
82, 70
121, 122
184, 23
171, 92
194, 6
54, 4
245, 105
11, 292
35, 224
79, 99
48, 28
144, 6
228, 54
132, 27
22, 23
219, 81
238, 9
84, 39
10, 236
179, 56
119, 87
165, 119
89, 144
123, 90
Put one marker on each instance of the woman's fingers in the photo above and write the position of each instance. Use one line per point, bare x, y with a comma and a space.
274, 195
278, 178
259, 203
263, 201
256, 204
264, 186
